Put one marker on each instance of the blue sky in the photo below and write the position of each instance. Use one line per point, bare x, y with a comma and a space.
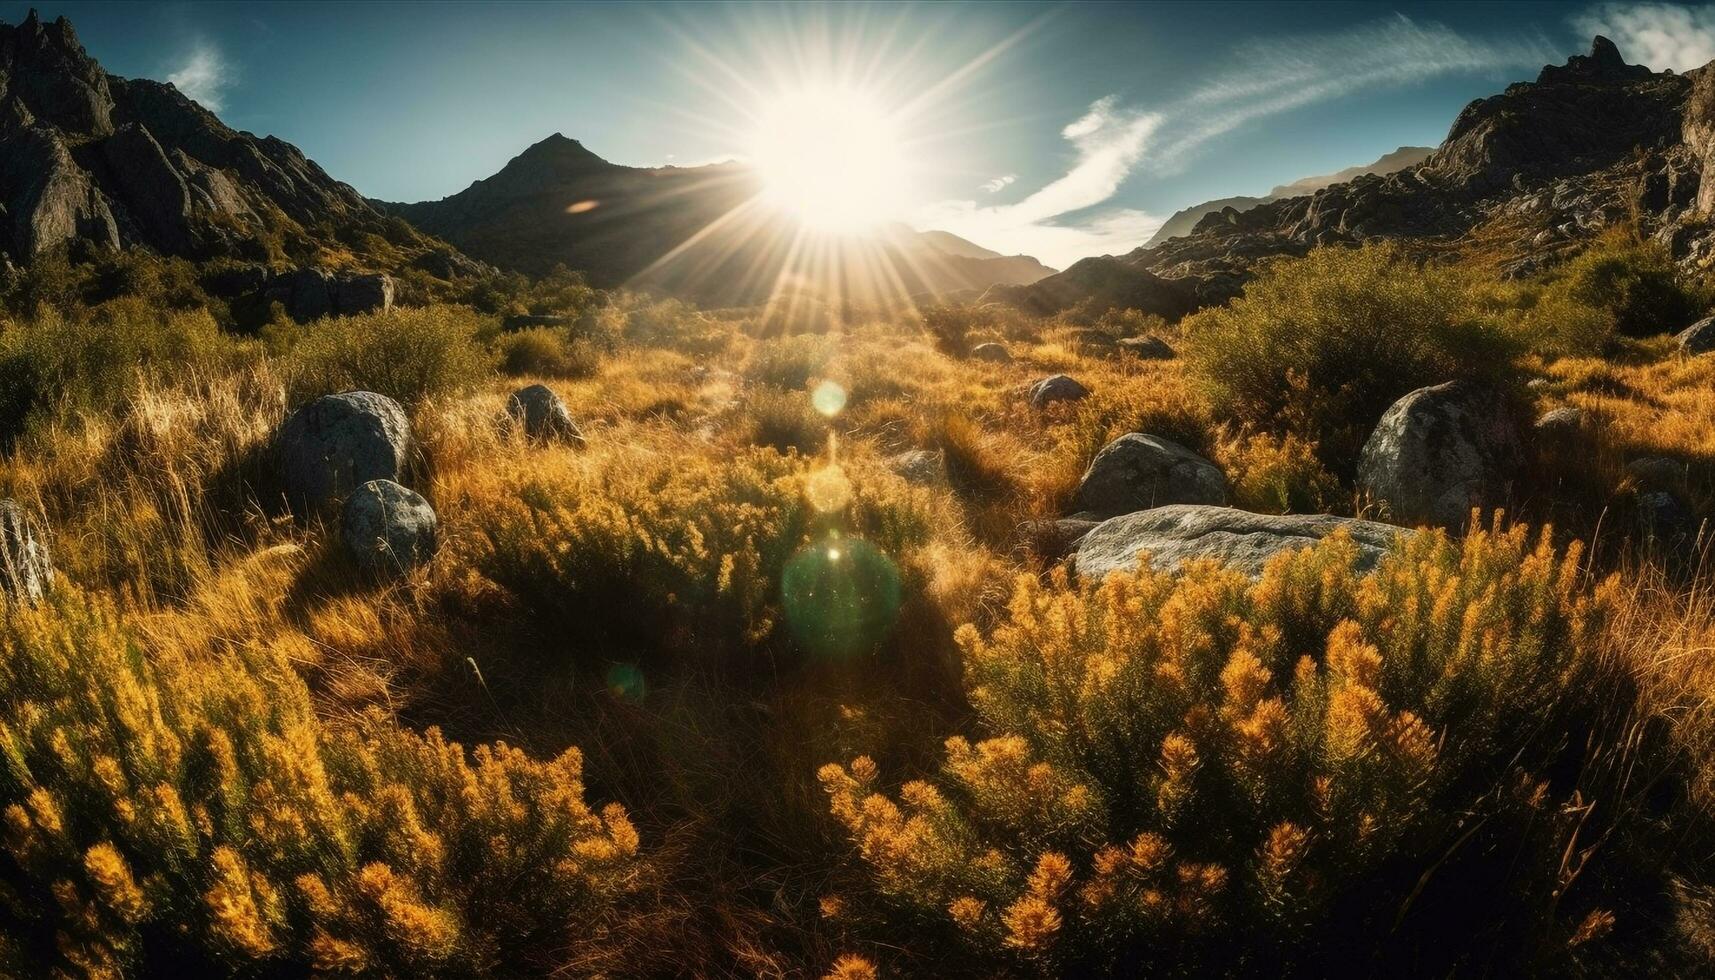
1061, 130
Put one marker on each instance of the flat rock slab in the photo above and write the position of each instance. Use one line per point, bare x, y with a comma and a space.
1179, 533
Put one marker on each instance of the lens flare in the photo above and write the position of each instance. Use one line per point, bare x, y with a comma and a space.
828, 398
831, 156
828, 489
625, 682
841, 597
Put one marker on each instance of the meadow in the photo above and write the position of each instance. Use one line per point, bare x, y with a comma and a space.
728, 688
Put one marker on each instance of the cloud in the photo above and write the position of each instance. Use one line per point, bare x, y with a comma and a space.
1659, 35
1057, 223
995, 185
203, 76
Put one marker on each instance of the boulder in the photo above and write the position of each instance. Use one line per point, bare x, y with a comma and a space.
1147, 348
1058, 388
1244, 541
307, 294
1657, 472
992, 352
542, 414
1139, 471
388, 529
923, 467
1562, 425
354, 295
26, 566
1699, 338
340, 442
1440, 451
1665, 520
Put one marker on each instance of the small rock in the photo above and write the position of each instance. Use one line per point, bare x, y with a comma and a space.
1664, 519
1058, 388
992, 352
1139, 471
339, 442
920, 466
1656, 472
542, 413
1147, 348
26, 566
1699, 338
1243, 541
1440, 451
1566, 420
388, 528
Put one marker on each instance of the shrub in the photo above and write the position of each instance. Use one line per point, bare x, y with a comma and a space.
1196, 774
1279, 476
1637, 282
789, 362
783, 420
163, 811
949, 328
408, 354
1321, 346
545, 352
660, 547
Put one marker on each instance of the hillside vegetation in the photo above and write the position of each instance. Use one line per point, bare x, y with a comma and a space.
777, 668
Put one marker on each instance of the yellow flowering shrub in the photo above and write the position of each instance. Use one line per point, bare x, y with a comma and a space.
1205, 771
160, 812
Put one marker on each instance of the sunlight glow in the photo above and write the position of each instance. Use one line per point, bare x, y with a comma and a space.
833, 158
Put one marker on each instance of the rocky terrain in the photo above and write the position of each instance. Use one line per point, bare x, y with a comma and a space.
697, 232
1525, 177
1184, 221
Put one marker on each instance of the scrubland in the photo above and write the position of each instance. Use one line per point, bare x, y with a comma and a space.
718, 691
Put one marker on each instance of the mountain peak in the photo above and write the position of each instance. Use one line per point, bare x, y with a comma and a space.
1603, 63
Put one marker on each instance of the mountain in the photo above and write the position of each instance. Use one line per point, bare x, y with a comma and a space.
91, 161
1183, 221
702, 233
1524, 179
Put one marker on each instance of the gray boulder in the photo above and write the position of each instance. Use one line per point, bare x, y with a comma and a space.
1699, 338
1244, 541
542, 414
337, 443
353, 295
992, 352
923, 467
1058, 388
1439, 452
26, 565
387, 528
1139, 471
1147, 348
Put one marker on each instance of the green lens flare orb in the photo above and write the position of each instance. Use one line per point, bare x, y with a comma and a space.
829, 398
841, 596
625, 682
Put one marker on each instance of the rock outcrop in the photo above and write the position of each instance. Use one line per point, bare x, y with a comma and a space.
388, 529
308, 294
1440, 451
337, 443
1138, 471
1241, 540
1698, 339
26, 564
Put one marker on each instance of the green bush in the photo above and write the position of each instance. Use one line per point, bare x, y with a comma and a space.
408, 354
1200, 775
1635, 281
1321, 346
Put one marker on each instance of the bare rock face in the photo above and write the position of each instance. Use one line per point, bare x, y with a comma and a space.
1241, 540
1440, 451
337, 443
1057, 388
309, 294
1139, 471
1699, 338
388, 529
542, 413
26, 566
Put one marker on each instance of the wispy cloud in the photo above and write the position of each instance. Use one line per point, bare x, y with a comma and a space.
1058, 223
995, 185
204, 75
1659, 35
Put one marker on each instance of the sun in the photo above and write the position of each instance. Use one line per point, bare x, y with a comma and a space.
833, 158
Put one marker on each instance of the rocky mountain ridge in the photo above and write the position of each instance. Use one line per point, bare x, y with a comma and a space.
90, 161
696, 232
1527, 176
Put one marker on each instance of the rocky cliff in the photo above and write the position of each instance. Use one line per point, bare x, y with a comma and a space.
91, 161
696, 232
1528, 176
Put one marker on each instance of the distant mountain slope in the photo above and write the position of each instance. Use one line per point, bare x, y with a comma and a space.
1524, 178
697, 232
1183, 221
90, 160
